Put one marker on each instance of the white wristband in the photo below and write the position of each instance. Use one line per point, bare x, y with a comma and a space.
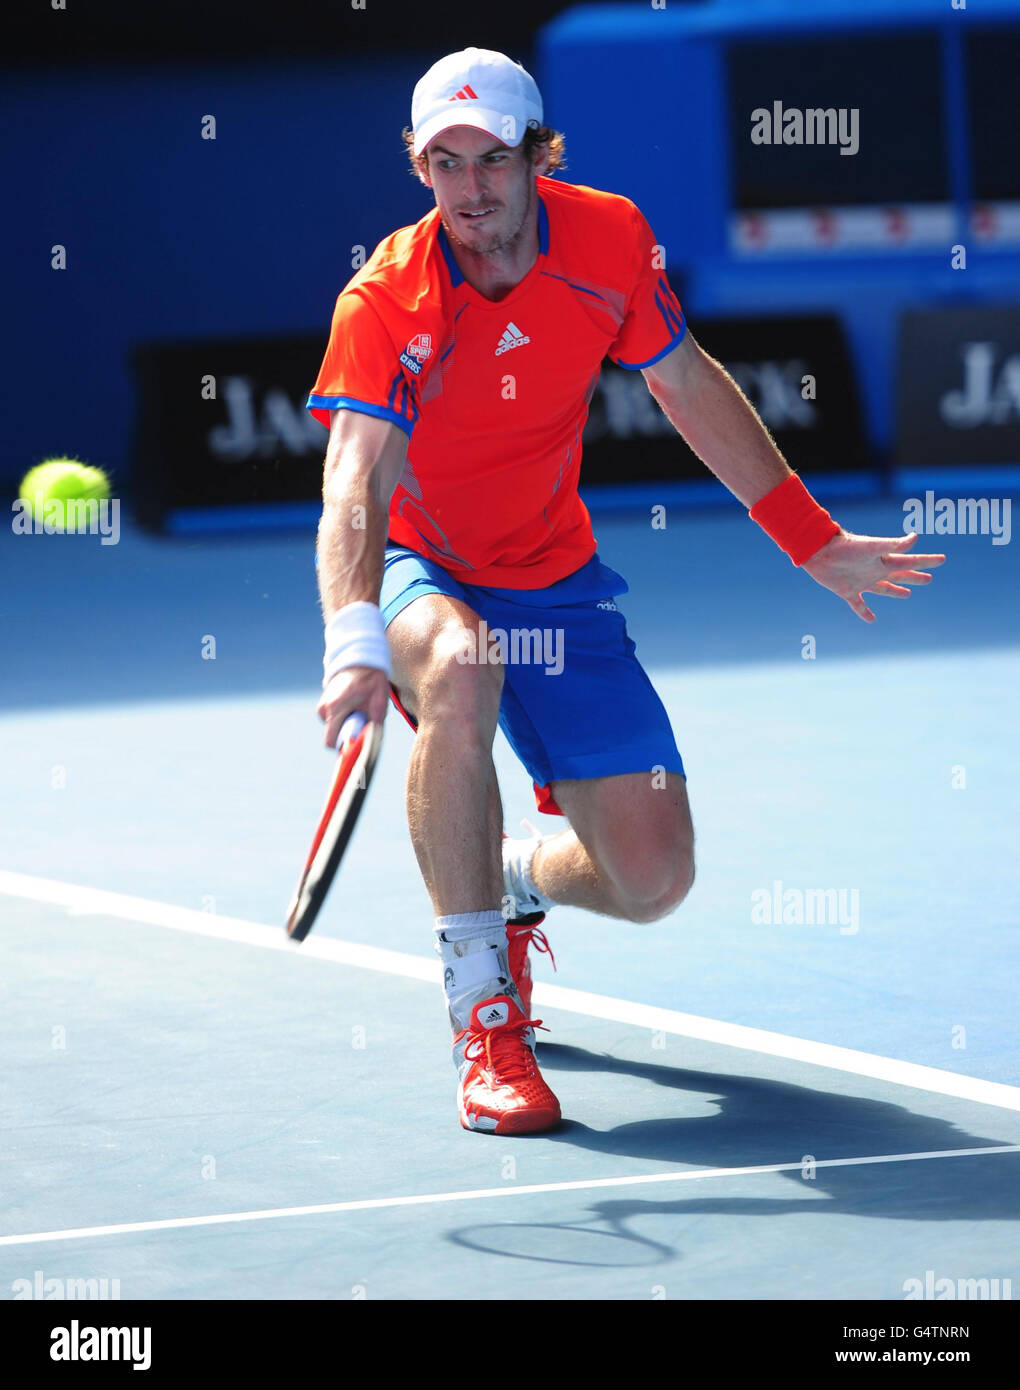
356, 636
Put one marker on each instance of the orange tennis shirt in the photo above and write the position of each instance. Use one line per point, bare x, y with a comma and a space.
494, 394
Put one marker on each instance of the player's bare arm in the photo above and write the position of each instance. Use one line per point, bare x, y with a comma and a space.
364, 459
716, 419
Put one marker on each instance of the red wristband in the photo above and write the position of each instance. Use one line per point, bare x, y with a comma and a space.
794, 520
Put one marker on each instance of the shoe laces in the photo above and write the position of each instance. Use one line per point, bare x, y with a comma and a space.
537, 938
508, 1057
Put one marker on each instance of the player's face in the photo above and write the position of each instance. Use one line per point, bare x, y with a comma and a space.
484, 190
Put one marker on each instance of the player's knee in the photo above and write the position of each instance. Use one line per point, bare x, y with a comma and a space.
680, 883
659, 889
458, 687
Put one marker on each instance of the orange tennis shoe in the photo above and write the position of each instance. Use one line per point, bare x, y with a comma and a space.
501, 1088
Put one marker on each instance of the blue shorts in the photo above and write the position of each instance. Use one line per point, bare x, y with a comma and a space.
576, 701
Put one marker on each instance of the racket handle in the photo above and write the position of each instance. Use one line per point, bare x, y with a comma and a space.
352, 727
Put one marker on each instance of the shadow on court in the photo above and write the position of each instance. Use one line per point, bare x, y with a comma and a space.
761, 1121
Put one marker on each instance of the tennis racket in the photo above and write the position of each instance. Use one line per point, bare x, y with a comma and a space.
359, 747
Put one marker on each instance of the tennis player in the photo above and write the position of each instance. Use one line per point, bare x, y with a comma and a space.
458, 570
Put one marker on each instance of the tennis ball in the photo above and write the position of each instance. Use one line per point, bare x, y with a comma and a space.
52, 489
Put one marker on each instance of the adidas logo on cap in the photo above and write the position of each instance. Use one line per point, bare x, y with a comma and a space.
465, 94
511, 337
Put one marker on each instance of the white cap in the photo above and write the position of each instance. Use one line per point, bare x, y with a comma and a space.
476, 87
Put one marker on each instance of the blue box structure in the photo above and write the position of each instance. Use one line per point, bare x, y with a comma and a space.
657, 103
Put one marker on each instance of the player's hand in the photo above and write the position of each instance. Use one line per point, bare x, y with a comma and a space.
364, 688
852, 565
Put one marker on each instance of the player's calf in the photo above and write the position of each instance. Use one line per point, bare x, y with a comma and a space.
631, 851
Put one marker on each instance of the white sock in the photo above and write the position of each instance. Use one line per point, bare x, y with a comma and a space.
473, 949
544, 902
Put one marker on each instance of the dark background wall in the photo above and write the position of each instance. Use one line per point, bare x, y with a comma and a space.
173, 237
169, 235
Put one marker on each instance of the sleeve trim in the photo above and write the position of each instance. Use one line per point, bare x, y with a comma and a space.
640, 366
381, 412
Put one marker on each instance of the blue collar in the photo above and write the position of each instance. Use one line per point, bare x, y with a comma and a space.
457, 275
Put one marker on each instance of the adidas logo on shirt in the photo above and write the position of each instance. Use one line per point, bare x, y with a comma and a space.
512, 337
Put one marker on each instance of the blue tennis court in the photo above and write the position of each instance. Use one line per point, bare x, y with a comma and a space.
801, 1085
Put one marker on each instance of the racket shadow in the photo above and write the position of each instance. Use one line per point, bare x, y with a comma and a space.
757, 1121
763, 1121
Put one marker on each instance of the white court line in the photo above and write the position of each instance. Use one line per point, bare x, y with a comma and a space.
98, 902
432, 1198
